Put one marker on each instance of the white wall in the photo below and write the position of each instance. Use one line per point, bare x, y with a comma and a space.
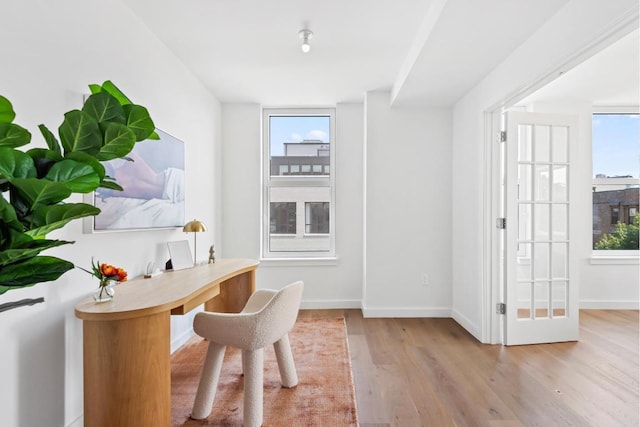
328, 285
53, 50
581, 25
408, 210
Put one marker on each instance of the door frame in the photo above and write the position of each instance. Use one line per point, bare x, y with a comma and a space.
492, 289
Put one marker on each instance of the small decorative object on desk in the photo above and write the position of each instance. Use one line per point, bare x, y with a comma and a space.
212, 255
108, 276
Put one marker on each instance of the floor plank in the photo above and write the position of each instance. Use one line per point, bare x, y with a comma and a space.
431, 372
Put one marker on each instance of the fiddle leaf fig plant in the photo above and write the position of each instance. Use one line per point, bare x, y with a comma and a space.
35, 183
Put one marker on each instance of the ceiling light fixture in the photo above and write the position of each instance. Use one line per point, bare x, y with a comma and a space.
305, 35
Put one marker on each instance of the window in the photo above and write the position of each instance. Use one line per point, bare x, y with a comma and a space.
298, 183
282, 218
615, 216
631, 214
316, 218
616, 180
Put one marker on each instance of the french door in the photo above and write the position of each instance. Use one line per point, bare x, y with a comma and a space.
541, 291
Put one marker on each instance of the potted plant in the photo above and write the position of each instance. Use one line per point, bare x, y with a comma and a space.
35, 183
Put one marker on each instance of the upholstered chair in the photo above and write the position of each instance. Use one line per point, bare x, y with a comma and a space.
266, 319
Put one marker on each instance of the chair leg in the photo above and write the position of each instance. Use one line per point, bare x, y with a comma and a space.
208, 381
253, 366
286, 364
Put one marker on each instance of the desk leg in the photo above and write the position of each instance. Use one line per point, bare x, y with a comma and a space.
127, 372
234, 293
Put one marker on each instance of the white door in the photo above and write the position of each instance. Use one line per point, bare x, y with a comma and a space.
540, 280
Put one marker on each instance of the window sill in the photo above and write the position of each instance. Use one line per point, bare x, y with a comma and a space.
298, 262
631, 259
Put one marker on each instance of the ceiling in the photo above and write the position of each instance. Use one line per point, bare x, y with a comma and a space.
610, 78
426, 52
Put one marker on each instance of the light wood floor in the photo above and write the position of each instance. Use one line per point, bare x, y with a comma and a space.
431, 372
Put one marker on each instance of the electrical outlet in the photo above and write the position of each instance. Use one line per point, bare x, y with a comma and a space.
425, 279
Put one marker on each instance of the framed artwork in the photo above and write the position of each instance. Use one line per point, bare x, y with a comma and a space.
154, 189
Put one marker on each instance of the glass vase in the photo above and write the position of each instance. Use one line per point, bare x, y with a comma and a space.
105, 291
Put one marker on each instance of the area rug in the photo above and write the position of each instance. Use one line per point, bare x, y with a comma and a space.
324, 395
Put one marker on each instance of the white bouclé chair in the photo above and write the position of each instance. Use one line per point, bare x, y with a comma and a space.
266, 319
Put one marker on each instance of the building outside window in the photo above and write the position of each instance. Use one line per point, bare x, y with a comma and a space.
616, 183
298, 183
282, 218
316, 218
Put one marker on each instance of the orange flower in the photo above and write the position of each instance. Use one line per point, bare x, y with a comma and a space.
122, 275
108, 270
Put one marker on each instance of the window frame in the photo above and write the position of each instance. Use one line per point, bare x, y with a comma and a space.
599, 256
269, 182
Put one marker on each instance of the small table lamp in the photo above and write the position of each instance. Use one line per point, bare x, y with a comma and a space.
194, 227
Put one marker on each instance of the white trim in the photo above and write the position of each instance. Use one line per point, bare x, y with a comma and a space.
491, 328
470, 327
181, 340
609, 305
268, 181
364, 199
615, 109
78, 422
614, 259
330, 304
299, 262
406, 312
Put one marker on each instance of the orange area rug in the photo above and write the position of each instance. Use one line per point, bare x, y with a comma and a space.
324, 395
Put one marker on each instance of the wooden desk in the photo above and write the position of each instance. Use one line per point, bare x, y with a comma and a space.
126, 341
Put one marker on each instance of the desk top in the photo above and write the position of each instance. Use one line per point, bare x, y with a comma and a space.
142, 297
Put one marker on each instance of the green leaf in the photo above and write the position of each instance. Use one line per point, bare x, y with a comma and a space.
79, 156
31, 249
16, 238
51, 140
104, 108
112, 90
9, 224
6, 110
44, 153
78, 177
13, 135
118, 141
94, 88
80, 132
43, 159
111, 185
8, 214
16, 164
32, 271
42, 191
139, 121
154, 136
45, 219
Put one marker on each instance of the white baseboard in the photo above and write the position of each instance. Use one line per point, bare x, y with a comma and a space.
467, 324
609, 305
330, 304
181, 340
406, 312
78, 422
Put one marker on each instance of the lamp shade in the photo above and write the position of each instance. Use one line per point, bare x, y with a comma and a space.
194, 226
